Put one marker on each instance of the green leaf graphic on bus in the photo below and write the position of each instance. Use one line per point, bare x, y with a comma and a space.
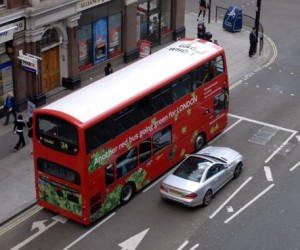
182, 153
194, 136
189, 111
183, 130
153, 121
173, 152
64, 199
138, 178
213, 129
176, 117
113, 199
99, 159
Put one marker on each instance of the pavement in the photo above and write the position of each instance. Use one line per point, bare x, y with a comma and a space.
17, 192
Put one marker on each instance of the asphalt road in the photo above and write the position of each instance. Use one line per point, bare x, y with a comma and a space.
257, 211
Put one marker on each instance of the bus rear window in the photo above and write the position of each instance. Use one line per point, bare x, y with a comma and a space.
57, 134
58, 171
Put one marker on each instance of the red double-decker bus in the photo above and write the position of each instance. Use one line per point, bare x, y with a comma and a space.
96, 147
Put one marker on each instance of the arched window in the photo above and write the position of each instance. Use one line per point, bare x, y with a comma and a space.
50, 37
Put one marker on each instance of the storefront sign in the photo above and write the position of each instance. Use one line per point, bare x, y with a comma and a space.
86, 4
6, 33
100, 38
145, 48
30, 65
30, 107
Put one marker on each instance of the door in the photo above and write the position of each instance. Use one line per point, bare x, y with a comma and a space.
50, 69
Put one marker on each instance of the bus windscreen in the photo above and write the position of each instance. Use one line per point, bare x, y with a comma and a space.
57, 134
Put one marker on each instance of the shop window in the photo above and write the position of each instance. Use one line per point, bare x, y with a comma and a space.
2, 3
165, 22
85, 44
114, 35
148, 21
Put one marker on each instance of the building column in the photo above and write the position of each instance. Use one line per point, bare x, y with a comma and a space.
131, 51
178, 19
32, 46
73, 81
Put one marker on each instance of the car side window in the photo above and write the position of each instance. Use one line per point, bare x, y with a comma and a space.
213, 170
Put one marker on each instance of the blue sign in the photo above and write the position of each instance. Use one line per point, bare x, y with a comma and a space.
100, 40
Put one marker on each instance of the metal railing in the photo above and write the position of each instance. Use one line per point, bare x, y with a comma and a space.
248, 23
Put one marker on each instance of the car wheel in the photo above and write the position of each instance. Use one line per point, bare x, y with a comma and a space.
200, 141
207, 197
238, 170
127, 193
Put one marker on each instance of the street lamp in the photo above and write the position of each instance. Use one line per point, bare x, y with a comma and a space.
257, 16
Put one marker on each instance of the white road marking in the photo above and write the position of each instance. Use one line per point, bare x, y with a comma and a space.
295, 166
41, 228
229, 209
183, 245
281, 146
229, 198
194, 247
262, 123
268, 173
88, 232
249, 203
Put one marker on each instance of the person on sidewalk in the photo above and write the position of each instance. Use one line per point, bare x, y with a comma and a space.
201, 30
202, 7
10, 108
29, 126
19, 129
108, 69
253, 42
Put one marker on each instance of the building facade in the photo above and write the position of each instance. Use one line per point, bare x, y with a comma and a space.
51, 44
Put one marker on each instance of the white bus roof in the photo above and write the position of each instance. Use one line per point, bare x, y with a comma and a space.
111, 91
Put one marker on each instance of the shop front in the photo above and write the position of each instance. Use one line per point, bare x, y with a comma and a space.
6, 58
99, 33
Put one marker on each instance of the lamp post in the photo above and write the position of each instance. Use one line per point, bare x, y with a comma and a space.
209, 10
257, 16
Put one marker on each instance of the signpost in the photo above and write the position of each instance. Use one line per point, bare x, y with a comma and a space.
29, 62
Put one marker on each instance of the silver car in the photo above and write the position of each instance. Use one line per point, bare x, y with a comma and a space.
199, 176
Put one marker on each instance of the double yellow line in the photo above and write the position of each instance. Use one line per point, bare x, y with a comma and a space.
20, 220
272, 59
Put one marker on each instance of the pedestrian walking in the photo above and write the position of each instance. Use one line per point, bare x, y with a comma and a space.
253, 42
19, 129
108, 69
10, 108
201, 30
29, 126
202, 8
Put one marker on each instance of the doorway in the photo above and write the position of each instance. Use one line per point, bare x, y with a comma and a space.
50, 69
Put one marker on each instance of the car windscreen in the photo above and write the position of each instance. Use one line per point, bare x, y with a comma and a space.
192, 168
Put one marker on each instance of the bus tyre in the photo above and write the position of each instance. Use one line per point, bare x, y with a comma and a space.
200, 141
127, 193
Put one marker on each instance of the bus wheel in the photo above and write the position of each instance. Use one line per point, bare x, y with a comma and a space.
200, 141
127, 193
